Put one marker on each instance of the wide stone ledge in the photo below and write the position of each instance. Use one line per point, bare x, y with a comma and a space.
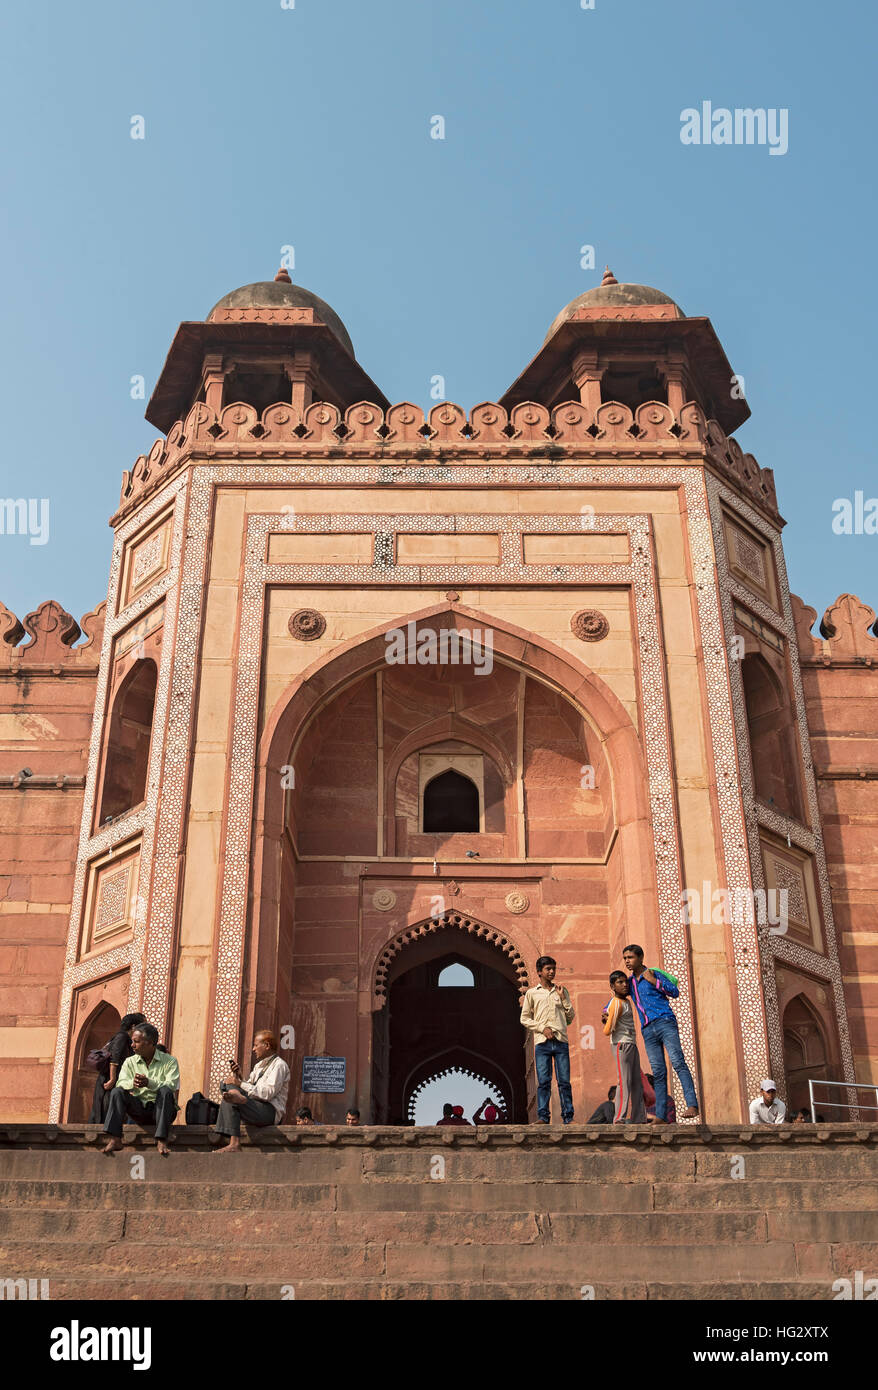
201, 1138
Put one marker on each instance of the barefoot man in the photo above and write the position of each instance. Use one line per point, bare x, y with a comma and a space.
260, 1100
146, 1090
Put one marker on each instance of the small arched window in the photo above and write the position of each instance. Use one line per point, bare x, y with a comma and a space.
129, 741
451, 803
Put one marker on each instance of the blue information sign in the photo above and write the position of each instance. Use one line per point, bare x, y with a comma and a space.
323, 1075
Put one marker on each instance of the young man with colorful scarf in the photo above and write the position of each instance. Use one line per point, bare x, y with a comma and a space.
650, 992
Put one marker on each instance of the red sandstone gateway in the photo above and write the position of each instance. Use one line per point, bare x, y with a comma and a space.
228, 810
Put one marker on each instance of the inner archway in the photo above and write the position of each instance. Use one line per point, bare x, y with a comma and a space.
97, 1031
807, 1057
427, 1028
453, 1086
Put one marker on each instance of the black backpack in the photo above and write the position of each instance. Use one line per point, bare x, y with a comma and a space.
200, 1110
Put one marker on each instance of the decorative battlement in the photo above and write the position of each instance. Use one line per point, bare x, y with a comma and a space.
52, 633
848, 633
526, 430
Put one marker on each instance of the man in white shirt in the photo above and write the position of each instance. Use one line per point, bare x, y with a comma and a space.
545, 1012
260, 1100
767, 1109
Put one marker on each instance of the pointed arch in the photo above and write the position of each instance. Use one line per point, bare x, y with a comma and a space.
635, 906
98, 1026
423, 930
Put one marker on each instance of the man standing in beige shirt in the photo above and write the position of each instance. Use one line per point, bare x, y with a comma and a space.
545, 1012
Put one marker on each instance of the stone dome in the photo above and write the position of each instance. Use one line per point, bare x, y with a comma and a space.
609, 294
282, 294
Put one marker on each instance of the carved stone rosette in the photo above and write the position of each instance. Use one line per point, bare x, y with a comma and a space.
589, 625
384, 899
307, 625
516, 901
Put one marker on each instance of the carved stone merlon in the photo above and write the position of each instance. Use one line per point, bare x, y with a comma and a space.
804, 617
50, 633
11, 630
848, 626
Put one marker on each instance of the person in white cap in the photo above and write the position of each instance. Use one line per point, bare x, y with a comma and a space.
767, 1109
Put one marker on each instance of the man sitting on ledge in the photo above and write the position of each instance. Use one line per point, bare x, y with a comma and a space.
260, 1100
766, 1109
146, 1090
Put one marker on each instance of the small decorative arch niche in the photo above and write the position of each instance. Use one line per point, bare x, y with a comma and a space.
128, 741
96, 1031
808, 1056
772, 729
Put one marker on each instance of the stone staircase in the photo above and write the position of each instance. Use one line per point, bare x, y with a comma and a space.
531, 1213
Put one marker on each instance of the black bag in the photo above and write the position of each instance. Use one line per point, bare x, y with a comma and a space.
200, 1110
99, 1060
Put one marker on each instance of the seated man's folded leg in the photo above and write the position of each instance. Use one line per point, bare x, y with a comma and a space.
257, 1112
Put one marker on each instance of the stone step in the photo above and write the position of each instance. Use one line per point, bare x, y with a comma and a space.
581, 1264
451, 1228
118, 1196
322, 1162
249, 1260
101, 1289
621, 1198
763, 1194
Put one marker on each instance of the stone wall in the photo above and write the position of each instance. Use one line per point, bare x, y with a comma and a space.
840, 676
47, 691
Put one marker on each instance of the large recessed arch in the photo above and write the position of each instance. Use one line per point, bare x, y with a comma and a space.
635, 906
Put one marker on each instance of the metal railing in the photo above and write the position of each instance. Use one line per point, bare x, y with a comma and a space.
840, 1105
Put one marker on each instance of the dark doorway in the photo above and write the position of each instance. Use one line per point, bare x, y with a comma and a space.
426, 1028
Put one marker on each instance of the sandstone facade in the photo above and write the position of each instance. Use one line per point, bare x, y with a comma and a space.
655, 746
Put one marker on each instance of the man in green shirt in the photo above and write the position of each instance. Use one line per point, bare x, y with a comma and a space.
146, 1090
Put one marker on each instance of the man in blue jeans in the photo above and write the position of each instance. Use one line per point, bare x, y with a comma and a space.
545, 1012
650, 992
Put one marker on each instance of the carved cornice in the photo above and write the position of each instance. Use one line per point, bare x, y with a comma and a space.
528, 430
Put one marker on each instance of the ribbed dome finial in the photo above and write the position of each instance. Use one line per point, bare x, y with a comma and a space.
609, 278
283, 276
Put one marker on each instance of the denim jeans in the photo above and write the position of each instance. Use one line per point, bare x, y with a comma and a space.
543, 1054
662, 1033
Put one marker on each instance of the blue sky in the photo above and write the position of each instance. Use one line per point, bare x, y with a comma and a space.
310, 127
